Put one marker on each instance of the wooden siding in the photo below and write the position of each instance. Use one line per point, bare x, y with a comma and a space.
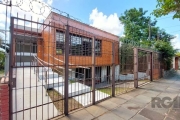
47, 47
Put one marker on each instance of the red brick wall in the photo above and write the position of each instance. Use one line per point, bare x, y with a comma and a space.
4, 102
156, 74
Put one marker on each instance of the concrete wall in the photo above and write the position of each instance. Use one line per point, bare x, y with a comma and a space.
173, 62
117, 69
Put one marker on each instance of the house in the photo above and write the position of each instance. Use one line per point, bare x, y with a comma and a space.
47, 43
176, 62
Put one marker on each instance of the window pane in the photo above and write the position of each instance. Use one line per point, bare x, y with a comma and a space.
59, 42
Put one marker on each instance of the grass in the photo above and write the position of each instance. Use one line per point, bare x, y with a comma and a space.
72, 81
118, 90
58, 101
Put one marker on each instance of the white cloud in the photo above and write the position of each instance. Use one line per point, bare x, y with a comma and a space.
109, 23
176, 42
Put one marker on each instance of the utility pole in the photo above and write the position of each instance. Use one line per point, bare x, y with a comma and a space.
149, 29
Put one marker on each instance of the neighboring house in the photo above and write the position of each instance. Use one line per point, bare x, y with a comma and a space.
176, 62
47, 43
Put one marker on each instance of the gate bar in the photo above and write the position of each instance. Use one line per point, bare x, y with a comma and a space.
151, 62
66, 74
93, 71
136, 67
11, 70
113, 70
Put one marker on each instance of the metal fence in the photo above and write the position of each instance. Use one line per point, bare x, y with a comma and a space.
57, 68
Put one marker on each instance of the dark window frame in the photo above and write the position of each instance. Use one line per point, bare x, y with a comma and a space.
79, 45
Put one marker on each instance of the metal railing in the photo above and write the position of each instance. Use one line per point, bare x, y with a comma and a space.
37, 70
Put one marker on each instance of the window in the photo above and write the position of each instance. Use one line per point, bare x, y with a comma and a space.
97, 47
79, 45
75, 46
59, 42
87, 46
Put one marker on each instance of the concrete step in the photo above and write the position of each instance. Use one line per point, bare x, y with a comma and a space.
74, 89
53, 82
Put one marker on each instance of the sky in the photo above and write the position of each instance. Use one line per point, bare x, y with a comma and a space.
102, 14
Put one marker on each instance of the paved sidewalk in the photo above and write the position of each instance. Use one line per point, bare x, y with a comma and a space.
136, 105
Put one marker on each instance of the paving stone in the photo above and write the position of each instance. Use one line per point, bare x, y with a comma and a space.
162, 111
109, 116
152, 115
96, 110
168, 118
124, 113
131, 106
139, 117
150, 93
117, 100
125, 96
80, 115
62, 118
171, 95
143, 98
139, 102
108, 104
136, 92
174, 114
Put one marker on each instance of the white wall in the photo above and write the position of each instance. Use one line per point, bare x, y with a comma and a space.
117, 68
72, 73
174, 62
103, 73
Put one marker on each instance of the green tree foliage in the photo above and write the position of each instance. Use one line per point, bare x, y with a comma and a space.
2, 60
136, 27
135, 24
167, 51
164, 7
178, 54
136, 30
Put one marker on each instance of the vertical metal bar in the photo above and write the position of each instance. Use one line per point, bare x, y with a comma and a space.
113, 70
84, 76
46, 81
151, 62
136, 67
93, 70
66, 70
11, 70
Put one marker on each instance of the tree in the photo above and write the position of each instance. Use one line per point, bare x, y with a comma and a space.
136, 30
135, 24
2, 60
136, 27
164, 7
167, 52
178, 54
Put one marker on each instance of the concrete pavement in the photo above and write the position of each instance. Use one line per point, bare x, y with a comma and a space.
137, 104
